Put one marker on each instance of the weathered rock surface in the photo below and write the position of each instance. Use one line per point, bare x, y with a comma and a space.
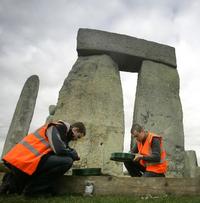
22, 117
92, 93
158, 109
190, 164
128, 52
52, 109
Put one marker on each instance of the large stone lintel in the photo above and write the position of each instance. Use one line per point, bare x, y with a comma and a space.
128, 52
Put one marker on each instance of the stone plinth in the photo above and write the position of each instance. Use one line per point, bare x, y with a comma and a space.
158, 109
92, 93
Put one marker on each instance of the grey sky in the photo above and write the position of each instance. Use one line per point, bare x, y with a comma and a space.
39, 37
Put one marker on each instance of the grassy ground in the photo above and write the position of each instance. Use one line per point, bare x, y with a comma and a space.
113, 199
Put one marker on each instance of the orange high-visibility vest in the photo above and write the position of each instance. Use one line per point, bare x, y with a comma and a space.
145, 149
27, 153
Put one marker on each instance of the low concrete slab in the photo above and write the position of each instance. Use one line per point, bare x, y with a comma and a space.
110, 185
125, 185
128, 52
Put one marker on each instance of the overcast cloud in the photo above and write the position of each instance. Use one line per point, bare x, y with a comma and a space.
39, 37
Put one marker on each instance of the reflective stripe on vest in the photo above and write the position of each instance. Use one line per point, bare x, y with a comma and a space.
27, 154
31, 148
41, 139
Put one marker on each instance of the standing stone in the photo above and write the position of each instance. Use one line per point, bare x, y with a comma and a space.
21, 120
92, 93
190, 164
158, 109
52, 109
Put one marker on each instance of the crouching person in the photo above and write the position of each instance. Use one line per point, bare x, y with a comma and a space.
41, 158
150, 155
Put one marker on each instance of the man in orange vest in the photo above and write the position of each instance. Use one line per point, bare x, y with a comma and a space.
150, 156
41, 158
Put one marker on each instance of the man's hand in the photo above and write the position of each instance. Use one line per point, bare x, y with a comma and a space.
73, 154
138, 157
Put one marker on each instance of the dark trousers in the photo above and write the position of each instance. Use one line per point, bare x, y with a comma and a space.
135, 169
48, 172
43, 179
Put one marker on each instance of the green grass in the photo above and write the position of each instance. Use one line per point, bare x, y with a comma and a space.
95, 199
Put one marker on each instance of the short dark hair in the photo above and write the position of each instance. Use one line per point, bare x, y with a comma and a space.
80, 126
136, 127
